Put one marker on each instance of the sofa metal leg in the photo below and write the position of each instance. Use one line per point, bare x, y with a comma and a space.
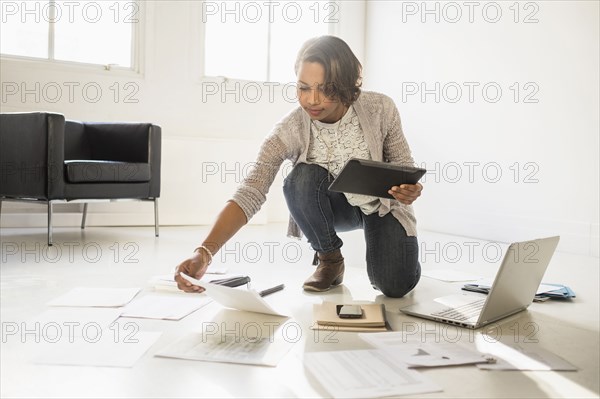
156, 217
49, 223
84, 216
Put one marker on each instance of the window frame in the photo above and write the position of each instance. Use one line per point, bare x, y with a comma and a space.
334, 29
136, 50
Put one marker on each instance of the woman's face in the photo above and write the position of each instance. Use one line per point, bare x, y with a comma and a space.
311, 81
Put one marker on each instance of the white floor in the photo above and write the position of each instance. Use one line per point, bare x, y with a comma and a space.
33, 274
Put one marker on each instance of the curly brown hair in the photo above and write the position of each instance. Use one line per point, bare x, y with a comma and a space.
342, 69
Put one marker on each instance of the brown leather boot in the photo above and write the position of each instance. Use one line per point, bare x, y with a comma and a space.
329, 273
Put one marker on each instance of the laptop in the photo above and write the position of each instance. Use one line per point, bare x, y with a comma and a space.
512, 291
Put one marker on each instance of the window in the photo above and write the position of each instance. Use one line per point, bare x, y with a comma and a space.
260, 40
94, 32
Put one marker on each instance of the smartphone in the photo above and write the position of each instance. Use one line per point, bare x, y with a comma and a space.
349, 311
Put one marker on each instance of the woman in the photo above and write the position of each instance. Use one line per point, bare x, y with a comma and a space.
334, 122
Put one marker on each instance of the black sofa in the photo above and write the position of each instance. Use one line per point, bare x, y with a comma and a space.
48, 159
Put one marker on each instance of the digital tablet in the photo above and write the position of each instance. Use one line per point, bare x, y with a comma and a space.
361, 176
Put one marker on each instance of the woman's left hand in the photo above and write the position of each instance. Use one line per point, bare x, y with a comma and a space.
406, 193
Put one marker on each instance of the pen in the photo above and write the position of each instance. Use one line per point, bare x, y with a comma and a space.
271, 290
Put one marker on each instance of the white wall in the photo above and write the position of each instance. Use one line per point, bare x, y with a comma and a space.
209, 138
554, 141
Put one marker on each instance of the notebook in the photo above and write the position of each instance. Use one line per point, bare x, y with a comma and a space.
326, 318
512, 291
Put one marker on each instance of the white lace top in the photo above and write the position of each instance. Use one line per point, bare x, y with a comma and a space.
332, 144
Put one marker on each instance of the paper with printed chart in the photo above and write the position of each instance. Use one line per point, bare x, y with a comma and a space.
366, 374
228, 348
414, 351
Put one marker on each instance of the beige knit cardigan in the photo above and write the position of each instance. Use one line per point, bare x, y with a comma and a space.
289, 139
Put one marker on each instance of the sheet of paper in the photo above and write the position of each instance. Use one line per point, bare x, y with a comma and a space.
166, 282
228, 349
416, 353
365, 374
526, 357
115, 348
96, 297
165, 307
216, 269
203, 280
236, 298
75, 321
449, 275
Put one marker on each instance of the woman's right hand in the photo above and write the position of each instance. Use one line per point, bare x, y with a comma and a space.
195, 266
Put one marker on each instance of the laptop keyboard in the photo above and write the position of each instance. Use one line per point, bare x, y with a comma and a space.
463, 312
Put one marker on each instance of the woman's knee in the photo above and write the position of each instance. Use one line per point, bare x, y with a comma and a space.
301, 179
399, 286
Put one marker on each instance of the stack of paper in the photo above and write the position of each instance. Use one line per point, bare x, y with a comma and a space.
166, 282
557, 291
326, 318
544, 291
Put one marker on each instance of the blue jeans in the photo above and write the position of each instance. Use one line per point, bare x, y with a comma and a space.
392, 256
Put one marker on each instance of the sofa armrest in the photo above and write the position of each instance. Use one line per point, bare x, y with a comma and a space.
32, 155
154, 150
